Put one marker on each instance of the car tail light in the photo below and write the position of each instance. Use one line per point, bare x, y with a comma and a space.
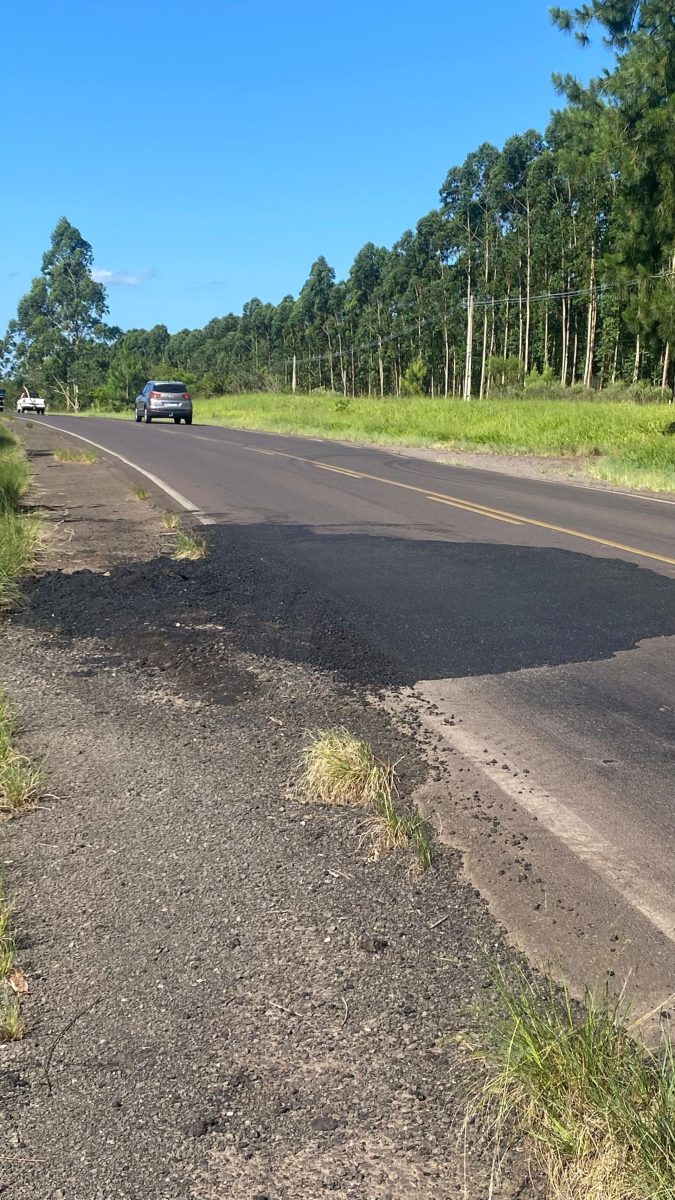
186, 396
155, 395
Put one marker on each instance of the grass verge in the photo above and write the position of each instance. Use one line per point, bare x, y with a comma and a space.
68, 454
20, 778
594, 1102
338, 768
19, 535
622, 442
12, 980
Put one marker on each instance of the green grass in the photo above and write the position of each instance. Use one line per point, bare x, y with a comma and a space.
171, 520
20, 778
140, 493
621, 441
19, 535
68, 454
12, 1027
189, 546
594, 1102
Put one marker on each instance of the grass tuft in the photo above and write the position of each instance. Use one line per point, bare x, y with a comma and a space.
7, 939
189, 546
393, 829
20, 781
171, 520
68, 454
338, 768
595, 1103
12, 1026
140, 493
19, 535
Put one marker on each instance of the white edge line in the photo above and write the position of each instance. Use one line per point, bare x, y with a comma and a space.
160, 483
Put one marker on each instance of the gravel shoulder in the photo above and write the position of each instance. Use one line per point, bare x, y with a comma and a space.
227, 998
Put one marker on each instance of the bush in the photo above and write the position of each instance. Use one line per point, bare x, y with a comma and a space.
412, 383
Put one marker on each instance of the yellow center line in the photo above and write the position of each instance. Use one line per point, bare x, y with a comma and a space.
338, 470
516, 518
468, 507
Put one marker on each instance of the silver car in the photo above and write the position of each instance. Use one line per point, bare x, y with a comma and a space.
164, 398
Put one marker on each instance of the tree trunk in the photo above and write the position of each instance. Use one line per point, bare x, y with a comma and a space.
294, 375
343, 373
506, 324
666, 365
446, 364
380, 364
565, 340
615, 359
528, 287
636, 364
591, 323
469, 346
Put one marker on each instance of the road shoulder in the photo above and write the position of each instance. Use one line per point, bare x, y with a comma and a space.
226, 997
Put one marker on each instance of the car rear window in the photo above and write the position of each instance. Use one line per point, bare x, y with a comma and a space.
171, 388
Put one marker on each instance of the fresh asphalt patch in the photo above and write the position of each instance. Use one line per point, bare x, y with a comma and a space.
226, 997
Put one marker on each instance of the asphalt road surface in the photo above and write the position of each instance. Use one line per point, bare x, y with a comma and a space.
531, 623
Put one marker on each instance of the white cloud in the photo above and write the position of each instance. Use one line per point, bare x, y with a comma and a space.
126, 278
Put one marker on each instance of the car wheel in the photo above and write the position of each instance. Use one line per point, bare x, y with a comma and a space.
138, 417
176, 420
188, 420
147, 416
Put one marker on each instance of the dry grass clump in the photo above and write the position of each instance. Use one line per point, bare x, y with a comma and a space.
68, 454
339, 768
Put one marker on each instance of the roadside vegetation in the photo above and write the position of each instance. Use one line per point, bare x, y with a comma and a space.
140, 493
71, 455
189, 547
20, 778
593, 1100
19, 534
338, 768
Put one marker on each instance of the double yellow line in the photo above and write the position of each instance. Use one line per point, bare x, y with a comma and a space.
480, 510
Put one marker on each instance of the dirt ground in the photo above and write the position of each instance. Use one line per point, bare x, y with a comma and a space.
227, 999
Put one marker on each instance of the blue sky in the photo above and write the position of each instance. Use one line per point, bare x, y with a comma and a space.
210, 150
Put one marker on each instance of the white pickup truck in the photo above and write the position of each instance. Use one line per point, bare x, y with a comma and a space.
30, 402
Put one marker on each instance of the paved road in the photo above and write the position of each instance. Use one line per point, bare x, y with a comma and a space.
533, 624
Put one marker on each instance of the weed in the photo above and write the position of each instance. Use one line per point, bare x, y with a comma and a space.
189, 546
20, 781
29, 424
140, 493
171, 520
338, 768
391, 829
19, 535
596, 1105
7, 940
12, 1026
68, 454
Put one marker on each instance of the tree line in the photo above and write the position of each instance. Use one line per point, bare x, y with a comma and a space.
551, 259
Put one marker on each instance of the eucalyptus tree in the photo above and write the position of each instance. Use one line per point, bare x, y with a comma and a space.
58, 337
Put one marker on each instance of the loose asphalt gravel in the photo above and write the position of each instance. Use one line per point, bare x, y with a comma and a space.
227, 999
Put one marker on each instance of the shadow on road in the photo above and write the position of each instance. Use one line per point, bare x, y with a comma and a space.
382, 611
